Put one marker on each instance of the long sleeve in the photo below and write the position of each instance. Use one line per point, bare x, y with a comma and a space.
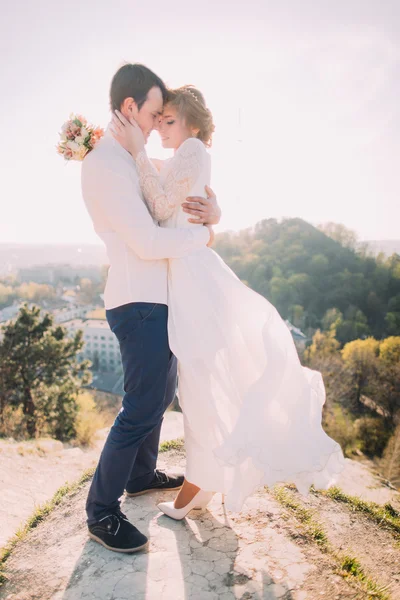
115, 203
183, 171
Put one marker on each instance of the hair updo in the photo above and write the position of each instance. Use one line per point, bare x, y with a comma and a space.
191, 106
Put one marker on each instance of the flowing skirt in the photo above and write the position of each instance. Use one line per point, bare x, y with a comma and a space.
252, 412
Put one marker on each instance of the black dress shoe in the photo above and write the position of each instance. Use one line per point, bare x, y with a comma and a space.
161, 481
116, 533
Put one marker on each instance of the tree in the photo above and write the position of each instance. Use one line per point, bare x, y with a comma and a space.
332, 319
338, 232
40, 370
360, 362
6, 294
323, 355
390, 463
392, 318
389, 350
35, 292
353, 325
323, 344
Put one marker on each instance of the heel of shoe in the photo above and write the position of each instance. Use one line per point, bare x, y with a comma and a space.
200, 501
203, 499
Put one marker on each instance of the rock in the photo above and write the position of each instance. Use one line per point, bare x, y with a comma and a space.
49, 445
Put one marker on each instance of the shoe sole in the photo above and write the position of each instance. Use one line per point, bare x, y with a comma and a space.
121, 550
132, 495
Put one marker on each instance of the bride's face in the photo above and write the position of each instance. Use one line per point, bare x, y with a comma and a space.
172, 128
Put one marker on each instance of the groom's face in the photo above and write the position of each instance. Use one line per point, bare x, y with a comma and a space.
149, 114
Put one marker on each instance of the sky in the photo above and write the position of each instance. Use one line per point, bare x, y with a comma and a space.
305, 97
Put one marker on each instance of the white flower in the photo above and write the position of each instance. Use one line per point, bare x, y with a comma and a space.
73, 146
79, 139
84, 132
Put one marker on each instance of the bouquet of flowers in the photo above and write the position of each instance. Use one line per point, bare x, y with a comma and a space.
77, 138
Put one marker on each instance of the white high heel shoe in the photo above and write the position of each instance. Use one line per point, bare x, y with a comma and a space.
200, 500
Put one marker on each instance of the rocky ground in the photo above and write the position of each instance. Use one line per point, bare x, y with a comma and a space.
264, 553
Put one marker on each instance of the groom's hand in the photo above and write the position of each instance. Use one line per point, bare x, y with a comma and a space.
205, 211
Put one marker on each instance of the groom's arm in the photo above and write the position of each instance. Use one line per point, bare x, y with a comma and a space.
120, 203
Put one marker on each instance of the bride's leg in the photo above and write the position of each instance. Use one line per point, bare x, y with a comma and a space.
186, 494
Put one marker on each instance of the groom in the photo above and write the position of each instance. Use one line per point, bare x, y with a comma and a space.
136, 309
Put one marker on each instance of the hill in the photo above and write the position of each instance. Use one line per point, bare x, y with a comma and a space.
305, 274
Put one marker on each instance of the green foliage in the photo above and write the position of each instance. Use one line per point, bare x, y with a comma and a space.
40, 372
362, 383
390, 463
293, 264
177, 444
339, 424
88, 421
373, 433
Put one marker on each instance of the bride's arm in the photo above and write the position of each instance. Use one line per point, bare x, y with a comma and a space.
183, 172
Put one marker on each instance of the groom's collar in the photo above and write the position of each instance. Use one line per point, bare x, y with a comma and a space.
109, 136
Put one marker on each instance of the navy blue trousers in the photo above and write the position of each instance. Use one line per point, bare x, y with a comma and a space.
129, 456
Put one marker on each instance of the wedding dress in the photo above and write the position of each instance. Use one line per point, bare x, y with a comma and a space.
252, 413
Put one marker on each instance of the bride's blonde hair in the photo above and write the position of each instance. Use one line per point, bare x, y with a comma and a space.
191, 106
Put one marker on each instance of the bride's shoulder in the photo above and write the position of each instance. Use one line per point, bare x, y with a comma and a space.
192, 146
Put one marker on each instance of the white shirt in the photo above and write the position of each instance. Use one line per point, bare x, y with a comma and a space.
137, 247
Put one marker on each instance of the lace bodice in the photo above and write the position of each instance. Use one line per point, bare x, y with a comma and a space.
186, 174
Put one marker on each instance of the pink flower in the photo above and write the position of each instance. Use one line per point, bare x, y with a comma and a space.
68, 153
76, 130
96, 135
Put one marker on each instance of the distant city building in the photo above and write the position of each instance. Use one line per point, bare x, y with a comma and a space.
69, 313
111, 383
101, 345
9, 312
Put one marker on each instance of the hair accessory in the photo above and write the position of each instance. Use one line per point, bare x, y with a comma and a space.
192, 94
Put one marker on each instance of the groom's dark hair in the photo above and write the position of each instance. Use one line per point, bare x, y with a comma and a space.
134, 81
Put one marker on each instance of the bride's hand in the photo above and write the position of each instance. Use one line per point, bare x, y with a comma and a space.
127, 133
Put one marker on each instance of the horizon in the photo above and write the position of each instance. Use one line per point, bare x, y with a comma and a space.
305, 104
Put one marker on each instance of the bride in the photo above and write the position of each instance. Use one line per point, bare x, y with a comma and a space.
252, 413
